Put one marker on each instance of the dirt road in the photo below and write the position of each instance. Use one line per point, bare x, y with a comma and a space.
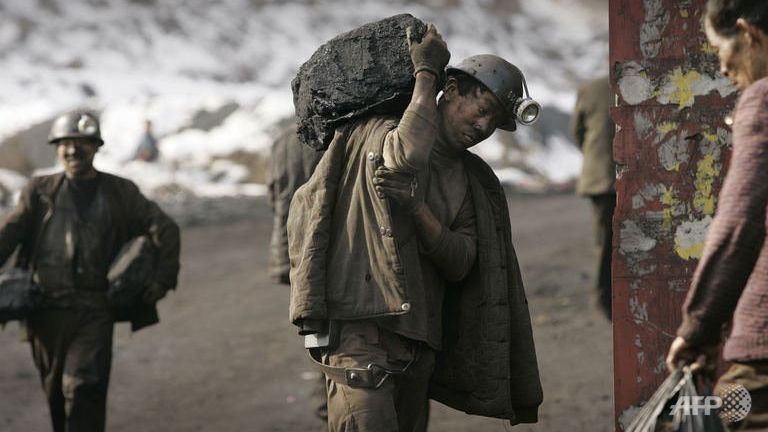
224, 358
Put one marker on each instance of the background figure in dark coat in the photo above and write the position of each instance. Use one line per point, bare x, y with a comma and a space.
593, 130
147, 150
291, 164
68, 228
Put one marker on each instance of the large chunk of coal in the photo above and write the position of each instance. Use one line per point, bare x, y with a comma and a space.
365, 71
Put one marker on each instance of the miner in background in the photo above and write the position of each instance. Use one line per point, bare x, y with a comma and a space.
593, 130
68, 227
291, 163
730, 283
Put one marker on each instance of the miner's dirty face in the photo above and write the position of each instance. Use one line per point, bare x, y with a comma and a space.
469, 118
742, 55
76, 154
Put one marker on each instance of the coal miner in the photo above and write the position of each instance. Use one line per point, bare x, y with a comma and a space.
730, 284
68, 227
402, 266
290, 166
593, 130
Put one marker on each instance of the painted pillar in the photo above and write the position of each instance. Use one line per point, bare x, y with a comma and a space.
672, 146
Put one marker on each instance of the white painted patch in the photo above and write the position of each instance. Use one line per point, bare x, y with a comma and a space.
642, 124
692, 233
637, 201
633, 239
634, 85
638, 309
656, 19
669, 93
673, 152
640, 270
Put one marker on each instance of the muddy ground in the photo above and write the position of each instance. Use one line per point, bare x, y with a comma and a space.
224, 358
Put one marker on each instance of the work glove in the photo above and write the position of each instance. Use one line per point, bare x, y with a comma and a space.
154, 293
398, 186
430, 53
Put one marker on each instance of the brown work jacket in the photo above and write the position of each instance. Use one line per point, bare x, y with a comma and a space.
593, 131
131, 214
488, 362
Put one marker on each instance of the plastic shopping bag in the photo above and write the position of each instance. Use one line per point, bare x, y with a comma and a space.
676, 406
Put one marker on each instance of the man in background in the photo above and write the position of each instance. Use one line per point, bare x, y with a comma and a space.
593, 132
291, 163
68, 228
147, 150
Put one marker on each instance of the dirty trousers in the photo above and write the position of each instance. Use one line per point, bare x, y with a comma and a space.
72, 350
401, 403
754, 377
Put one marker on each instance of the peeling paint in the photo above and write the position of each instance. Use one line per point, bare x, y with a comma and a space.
667, 127
649, 193
681, 88
678, 285
656, 19
638, 309
672, 153
672, 207
642, 123
690, 237
637, 201
634, 84
706, 172
639, 270
633, 239
661, 365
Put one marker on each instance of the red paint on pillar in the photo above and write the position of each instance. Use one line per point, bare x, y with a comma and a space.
673, 148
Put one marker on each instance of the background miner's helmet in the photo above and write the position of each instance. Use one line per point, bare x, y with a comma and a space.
505, 81
75, 124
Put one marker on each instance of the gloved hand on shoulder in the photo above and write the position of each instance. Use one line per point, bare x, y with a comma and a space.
430, 53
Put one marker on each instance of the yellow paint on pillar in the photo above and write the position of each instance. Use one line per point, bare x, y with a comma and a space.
712, 137
706, 172
687, 252
684, 13
683, 92
666, 127
669, 201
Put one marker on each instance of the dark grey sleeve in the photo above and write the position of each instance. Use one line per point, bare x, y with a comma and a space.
455, 252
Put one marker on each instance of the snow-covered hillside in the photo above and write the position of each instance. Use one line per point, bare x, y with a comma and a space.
174, 61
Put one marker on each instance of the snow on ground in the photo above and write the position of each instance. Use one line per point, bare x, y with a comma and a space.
169, 60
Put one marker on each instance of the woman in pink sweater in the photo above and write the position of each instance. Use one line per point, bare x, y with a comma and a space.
731, 280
